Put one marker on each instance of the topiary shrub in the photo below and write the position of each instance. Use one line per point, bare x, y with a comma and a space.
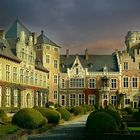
64, 113
130, 110
78, 110
53, 116
4, 117
137, 116
101, 122
29, 118
42, 110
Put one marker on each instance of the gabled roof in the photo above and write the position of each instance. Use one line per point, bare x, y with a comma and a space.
5, 51
15, 29
95, 63
42, 39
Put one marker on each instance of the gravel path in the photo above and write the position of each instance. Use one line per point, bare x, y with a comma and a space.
72, 130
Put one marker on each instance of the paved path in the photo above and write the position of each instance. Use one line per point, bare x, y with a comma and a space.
72, 130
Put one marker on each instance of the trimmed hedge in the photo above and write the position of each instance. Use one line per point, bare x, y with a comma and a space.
64, 113
42, 110
29, 118
53, 116
130, 110
137, 116
101, 122
89, 108
78, 110
111, 107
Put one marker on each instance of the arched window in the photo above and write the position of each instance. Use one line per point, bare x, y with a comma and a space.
28, 99
8, 97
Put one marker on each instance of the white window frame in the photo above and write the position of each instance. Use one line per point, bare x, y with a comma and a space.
56, 64
47, 59
15, 74
8, 72
114, 100
8, 97
76, 83
63, 100
125, 66
0, 96
55, 94
113, 83
21, 75
63, 83
15, 97
135, 82
125, 82
91, 99
81, 99
0, 71
55, 79
72, 99
92, 83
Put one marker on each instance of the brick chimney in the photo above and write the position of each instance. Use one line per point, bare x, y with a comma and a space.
67, 53
86, 54
2, 34
34, 35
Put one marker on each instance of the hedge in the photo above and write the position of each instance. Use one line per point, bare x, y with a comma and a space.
29, 118
78, 110
101, 122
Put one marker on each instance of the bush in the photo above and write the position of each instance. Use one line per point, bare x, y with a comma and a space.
29, 118
111, 107
130, 110
101, 122
4, 117
89, 108
78, 110
115, 115
69, 108
64, 113
53, 116
137, 116
49, 104
42, 110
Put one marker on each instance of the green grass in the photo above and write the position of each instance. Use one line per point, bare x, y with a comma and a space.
7, 129
134, 128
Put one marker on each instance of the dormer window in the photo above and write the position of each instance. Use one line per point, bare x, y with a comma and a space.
125, 66
90, 65
105, 69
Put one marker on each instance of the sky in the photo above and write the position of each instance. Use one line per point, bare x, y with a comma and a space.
97, 25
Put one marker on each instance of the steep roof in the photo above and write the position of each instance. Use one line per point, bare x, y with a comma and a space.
42, 39
15, 29
94, 62
5, 51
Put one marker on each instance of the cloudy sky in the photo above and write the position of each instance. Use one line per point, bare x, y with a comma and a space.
97, 25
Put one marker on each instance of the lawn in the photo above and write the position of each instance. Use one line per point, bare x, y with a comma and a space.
7, 129
134, 128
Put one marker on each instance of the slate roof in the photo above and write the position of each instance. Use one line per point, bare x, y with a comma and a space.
5, 51
44, 39
94, 63
15, 29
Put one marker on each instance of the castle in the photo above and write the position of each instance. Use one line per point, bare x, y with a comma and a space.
33, 72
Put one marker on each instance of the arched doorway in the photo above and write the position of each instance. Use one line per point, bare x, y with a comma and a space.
28, 99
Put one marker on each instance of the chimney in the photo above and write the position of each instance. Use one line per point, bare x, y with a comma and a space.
34, 35
2, 34
67, 53
86, 54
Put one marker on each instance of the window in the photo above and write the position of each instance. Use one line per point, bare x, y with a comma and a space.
91, 99
139, 65
81, 99
127, 101
63, 84
113, 83
114, 100
91, 83
63, 103
125, 65
0, 95
56, 49
72, 100
21, 75
32, 79
125, 82
28, 100
0, 71
7, 72
8, 97
36, 79
55, 63
48, 59
14, 74
15, 97
55, 79
55, 94
76, 83
134, 82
